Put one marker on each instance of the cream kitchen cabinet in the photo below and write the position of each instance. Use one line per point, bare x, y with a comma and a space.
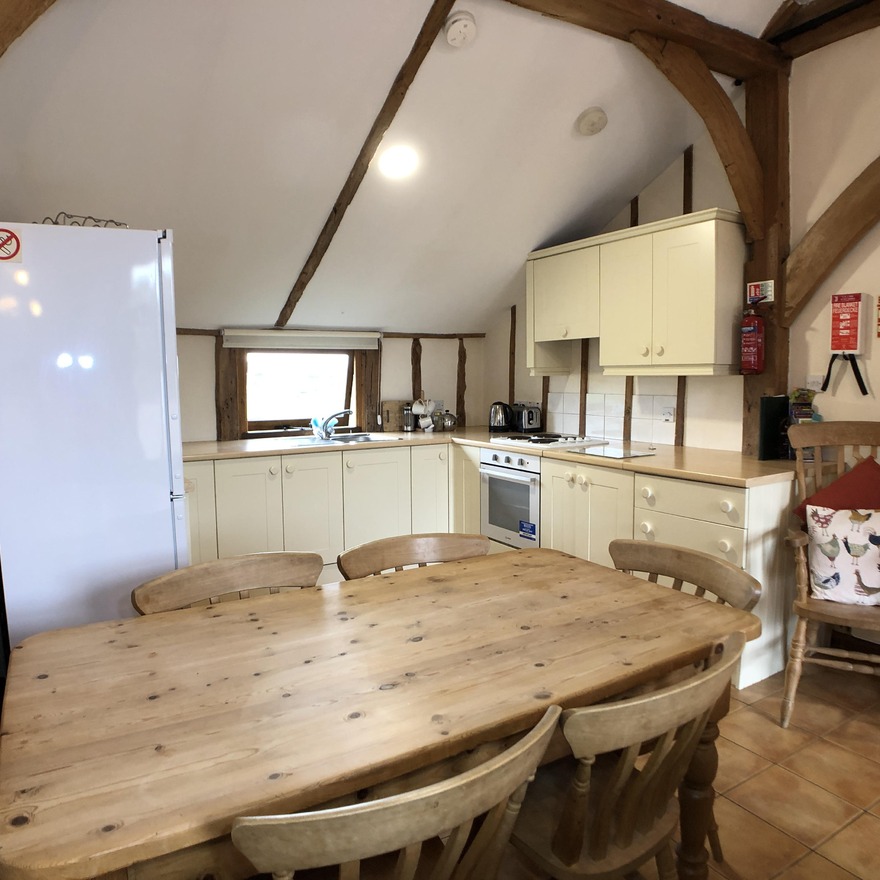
464, 489
583, 508
312, 501
565, 287
671, 296
742, 525
542, 358
430, 488
250, 513
377, 488
201, 511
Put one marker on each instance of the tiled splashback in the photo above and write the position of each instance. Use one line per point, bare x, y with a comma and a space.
653, 416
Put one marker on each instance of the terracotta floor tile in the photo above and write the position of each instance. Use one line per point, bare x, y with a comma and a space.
753, 849
859, 734
735, 764
810, 712
760, 734
848, 689
758, 691
790, 803
856, 848
815, 867
838, 770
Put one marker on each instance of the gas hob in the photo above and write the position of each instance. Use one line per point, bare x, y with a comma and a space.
547, 440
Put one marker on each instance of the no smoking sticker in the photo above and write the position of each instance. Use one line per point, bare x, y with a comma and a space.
10, 245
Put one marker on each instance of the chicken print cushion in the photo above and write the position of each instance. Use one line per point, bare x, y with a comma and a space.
844, 555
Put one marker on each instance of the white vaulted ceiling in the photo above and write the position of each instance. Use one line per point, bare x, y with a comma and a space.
236, 125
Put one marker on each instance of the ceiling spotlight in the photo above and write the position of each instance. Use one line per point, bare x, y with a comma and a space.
398, 162
591, 121
460, 29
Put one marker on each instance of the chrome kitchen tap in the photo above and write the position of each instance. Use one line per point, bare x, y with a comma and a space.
324, 430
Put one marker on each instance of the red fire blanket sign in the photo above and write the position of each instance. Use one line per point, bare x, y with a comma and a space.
846, 319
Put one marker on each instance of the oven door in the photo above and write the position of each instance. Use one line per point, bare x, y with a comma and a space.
510, 504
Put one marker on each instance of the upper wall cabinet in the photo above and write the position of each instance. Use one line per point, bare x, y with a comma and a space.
672, 296
664, 298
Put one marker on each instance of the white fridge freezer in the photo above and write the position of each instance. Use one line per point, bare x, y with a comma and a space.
91, 462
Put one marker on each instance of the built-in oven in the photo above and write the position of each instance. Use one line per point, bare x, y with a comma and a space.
510, 497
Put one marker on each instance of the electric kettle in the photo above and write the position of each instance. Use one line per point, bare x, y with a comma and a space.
500, 417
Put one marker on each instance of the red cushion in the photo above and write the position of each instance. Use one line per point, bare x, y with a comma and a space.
855, 490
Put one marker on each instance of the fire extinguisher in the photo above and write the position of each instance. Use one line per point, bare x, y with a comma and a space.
752, 343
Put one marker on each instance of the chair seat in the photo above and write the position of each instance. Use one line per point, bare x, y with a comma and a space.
858, 616
539, 817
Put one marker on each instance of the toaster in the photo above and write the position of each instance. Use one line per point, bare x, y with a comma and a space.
526, 417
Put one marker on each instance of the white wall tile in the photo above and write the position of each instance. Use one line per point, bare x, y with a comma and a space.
642, 430
614, 405
554, 401
614, 428
595, 426
664, 433
554, 422
661, 402
571, 403
642, 406
570, 423
595, 404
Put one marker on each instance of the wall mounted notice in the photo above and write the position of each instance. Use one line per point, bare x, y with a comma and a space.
759, 292
846, 319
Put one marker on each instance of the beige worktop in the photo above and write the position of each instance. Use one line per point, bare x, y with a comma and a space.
706, 465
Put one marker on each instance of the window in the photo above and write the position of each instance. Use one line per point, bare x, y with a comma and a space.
285, 389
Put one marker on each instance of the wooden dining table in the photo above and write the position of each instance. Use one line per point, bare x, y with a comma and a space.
131, 743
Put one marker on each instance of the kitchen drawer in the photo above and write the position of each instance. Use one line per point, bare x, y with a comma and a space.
725, 542
725, 505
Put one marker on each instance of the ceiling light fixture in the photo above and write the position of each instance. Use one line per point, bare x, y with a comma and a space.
591, 121
398, 162
460, 29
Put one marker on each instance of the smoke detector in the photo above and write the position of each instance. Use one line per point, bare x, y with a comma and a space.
591, 121
460, 29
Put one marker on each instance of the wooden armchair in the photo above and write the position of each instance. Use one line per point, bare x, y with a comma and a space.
824, 451
612, 806
394, 554
400, 825
236, 577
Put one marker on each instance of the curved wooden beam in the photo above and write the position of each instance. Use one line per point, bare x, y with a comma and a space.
831, 237
16, 16
684, 68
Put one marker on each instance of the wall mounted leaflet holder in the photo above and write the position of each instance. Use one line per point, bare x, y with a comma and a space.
846, 323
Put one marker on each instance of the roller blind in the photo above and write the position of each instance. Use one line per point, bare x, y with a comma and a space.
338, 340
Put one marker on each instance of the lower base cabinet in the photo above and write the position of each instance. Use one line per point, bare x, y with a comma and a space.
249, 505
430, 488
377, 494
312, 501
201, 511
584, 508
464, 489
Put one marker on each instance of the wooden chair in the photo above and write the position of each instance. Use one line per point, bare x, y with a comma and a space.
612, 806
711, 578
823, 452
394, 554
236, 577
347, 836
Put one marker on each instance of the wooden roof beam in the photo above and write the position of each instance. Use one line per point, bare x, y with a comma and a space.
431, 27
820, 23
684, 68
723, 49
852, 214
16, 16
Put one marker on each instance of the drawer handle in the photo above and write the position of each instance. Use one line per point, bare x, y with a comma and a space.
725, 546
647, 493
727, 506
274, 469
582, 480
568, 476
646, 528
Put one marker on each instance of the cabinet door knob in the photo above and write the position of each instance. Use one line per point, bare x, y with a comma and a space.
290, 468
582, 480
564, 332
725, 546
568, 476
274, 469
645, 351
647, 493
660, 351
442, 456
646, 528
726, 506
349, 464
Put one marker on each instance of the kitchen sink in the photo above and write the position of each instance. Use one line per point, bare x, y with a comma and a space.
337, 439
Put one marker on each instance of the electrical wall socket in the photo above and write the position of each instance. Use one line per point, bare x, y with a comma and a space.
667, 413
814, 382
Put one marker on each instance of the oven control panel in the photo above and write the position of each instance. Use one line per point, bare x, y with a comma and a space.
514, 460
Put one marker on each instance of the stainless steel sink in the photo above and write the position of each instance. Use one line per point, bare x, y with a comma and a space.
337, 439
